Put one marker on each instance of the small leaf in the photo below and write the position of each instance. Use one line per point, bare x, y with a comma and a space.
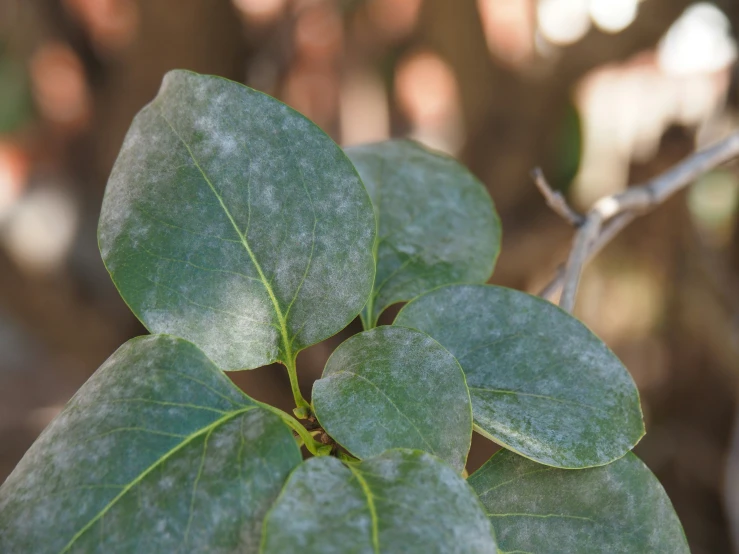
402, 501
394, 387
618, 508
232, 221
541, 383
437, 223
157, 452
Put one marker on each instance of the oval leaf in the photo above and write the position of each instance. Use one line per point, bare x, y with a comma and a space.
403, 501
618, 508
541, 383
234, 222
437, 224
157, 452
393, 387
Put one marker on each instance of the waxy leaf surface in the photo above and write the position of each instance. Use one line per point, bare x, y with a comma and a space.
437, 224
400, 502
157, 453
620, 508
232, 221
393, 387
541, 383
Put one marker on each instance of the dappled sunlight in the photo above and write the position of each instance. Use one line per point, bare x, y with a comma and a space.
699, 42
261, 11
311, 85
627, 107
14, 167
613, 16
365, 113
563, 22
394, 18
426, 92
312, 90
319, 33
60, 86
39, 233
509, 29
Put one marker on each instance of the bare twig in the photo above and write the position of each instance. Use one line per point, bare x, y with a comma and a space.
555, 199
607, 234
612, 213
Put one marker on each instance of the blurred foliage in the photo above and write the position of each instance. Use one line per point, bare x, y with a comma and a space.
16, 106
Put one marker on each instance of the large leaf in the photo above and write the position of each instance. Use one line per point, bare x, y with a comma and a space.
541, 383
394, 387
157, 452
437, 224
618, 508
402, 501
234, 222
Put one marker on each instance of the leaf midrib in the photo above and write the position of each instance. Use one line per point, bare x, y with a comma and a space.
280, 317
371, 506
546, 397
190, 438
543, 516
392, 403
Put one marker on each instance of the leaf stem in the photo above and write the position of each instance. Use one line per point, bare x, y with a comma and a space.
313, 446
346, 457
302, 407
367, 322
370, 322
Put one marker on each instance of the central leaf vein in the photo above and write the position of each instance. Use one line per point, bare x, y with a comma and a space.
544, 516
244, 242
392, 403
540, 396
157, 463
370, 505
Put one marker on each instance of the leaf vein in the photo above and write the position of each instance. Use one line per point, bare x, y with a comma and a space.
371, 505
244, 242
394, 405
148, 470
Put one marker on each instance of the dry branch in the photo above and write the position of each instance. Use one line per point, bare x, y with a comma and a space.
556, 199
611, 214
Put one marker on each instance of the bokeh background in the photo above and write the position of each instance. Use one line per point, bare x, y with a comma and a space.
600, 93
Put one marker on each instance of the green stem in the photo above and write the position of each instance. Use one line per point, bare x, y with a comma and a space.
367, 322
313, 446
345, 457
370, 322
301, 404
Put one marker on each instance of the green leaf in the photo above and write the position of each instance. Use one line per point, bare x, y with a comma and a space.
394, 387
157, 452
541, 383
437, 224
232, 221
402, 501
618, 508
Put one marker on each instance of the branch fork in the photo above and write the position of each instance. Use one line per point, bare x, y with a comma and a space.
611, 214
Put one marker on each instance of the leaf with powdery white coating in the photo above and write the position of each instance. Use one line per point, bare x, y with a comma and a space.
403, 501
541, 383
393, 387
437, 223
157, 452
620, 508
232, 221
